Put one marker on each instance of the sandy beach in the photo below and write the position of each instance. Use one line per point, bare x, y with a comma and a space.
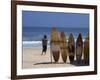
32, 58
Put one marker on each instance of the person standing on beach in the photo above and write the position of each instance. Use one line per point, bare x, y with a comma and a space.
44, 44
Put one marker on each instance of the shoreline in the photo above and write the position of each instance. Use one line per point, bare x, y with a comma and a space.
38, 44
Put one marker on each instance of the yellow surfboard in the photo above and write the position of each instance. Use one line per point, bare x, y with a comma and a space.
86, 49
63, 46
71, 48
55, 44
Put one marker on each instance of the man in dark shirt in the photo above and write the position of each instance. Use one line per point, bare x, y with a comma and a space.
44, 44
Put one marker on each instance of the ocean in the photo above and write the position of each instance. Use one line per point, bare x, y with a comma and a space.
32, 36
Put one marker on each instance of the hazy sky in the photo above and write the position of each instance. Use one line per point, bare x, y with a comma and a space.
50, 19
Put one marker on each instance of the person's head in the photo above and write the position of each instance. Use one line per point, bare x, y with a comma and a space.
45, 36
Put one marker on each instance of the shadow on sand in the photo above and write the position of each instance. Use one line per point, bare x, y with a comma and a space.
81, 63
50, 63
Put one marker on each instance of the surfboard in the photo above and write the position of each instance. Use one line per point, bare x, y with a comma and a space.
86, 49
79, 48
63, 46
55, 44
71, 48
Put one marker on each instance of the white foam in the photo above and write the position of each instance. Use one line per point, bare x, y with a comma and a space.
32, 42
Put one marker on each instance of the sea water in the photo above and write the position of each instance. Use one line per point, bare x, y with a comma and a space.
32, 36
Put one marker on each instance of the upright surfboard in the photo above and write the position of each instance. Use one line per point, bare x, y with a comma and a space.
71, 48
55, 44
86, 49
79, 48
63, 46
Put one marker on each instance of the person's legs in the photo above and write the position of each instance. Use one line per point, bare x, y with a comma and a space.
45, 49
42, 49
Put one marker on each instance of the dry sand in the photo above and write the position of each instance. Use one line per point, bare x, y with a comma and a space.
32, 58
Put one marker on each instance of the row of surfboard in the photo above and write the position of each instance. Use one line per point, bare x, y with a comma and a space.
59, 45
